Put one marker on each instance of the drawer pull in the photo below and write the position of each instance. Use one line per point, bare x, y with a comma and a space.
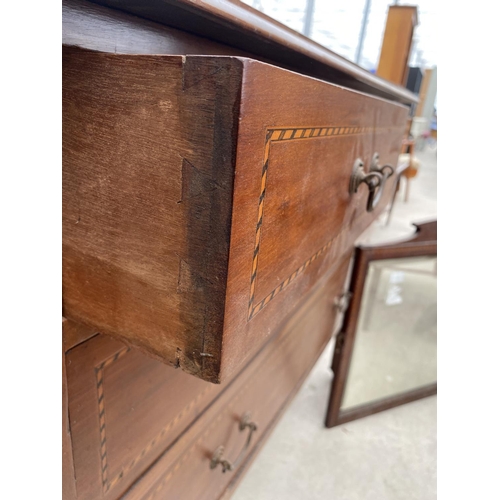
374, 179
341, 303
217, 459
386, 170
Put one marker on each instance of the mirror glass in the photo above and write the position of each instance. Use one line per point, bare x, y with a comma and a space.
395, 346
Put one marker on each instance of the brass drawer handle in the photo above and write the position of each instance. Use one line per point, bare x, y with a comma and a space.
341, 303
374, 179
217, 459
375, 167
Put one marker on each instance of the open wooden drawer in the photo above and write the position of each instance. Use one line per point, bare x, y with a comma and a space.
204, 196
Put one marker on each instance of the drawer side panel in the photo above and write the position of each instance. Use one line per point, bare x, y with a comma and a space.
148, 163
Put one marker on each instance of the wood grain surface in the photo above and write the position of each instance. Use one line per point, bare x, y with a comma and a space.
148, 162
207, 226
126, 409
205, 196
92, 26
293, 218
285, 362
242, 27
397, 43
75, 333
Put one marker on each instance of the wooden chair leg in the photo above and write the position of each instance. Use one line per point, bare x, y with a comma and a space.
396, 189
331, 415
407, 190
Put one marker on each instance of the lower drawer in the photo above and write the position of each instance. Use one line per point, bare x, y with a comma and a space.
125, 409
260, 393
128, 411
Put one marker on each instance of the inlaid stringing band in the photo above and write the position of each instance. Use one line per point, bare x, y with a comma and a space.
107, 483
287, 134
99, 371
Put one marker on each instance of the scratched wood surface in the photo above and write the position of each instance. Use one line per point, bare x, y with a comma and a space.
203, 197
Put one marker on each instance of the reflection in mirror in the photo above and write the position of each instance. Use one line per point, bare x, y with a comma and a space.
395, 348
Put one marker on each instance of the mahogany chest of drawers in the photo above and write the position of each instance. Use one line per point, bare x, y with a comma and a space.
210, 206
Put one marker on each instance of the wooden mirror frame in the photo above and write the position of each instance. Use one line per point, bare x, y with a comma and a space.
424, 242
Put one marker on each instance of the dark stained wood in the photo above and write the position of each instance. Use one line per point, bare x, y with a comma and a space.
424, 242
91, 26
152, 147
127, 410
238, 25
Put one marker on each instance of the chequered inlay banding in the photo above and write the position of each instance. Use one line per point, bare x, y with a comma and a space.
107, 483
99, 371
289, 134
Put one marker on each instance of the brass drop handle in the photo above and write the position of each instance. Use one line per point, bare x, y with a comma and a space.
341, 303
386, 170
217, 459
374, 179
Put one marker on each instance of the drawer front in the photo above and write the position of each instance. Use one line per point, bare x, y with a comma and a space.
262, 392
126, 409
294, 218
203, 197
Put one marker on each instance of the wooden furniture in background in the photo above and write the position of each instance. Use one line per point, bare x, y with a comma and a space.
407, 168
423, 92
208, 225
397, 42
410, 173
425, 108
403, 166
411, 170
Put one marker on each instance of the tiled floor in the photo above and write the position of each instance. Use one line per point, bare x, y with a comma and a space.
388, 456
